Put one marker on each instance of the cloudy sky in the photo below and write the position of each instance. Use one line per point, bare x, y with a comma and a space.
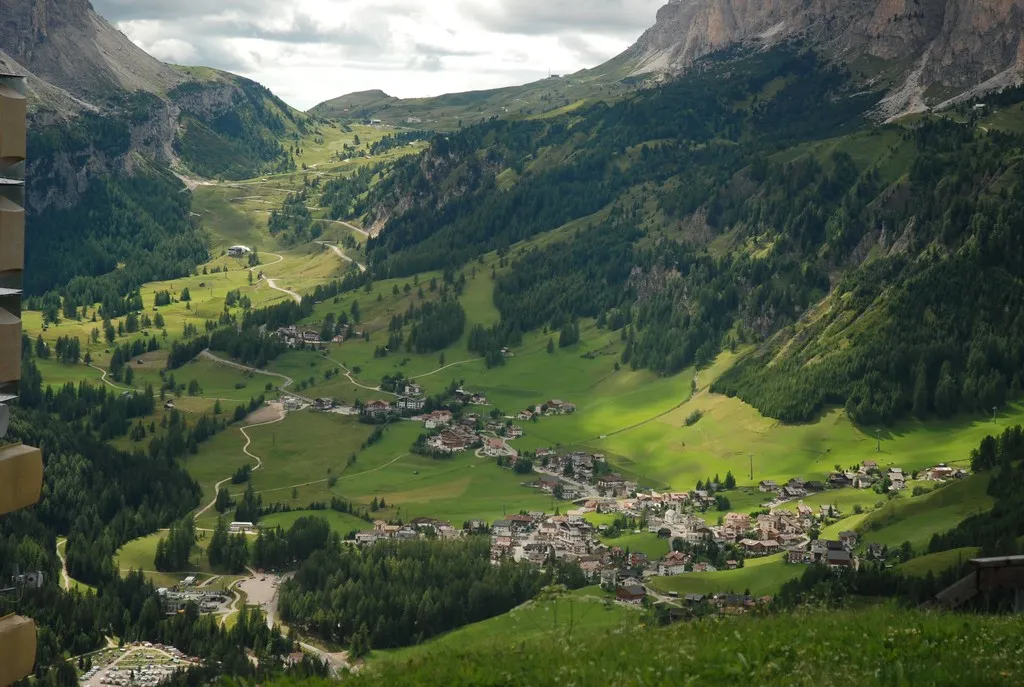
307, 51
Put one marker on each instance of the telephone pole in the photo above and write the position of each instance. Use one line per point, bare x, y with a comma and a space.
878, 441
751, 467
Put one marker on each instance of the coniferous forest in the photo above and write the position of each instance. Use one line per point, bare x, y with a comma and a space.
397, 593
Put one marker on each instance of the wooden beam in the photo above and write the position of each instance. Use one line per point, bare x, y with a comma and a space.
1000, 578
21, 477
17, 649
960, 592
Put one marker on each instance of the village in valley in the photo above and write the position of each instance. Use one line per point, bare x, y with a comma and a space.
702, 532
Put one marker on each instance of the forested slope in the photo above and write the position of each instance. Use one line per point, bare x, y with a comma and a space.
751, 201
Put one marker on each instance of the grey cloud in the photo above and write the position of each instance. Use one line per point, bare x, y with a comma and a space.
544, 17
439, 51
586, 53
426, 63
136, 10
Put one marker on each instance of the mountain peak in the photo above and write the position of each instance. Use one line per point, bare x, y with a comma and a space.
925, 51
66, 44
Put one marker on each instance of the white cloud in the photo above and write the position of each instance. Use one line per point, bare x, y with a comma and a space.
307, 51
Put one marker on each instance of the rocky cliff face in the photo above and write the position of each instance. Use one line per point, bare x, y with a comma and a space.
929, 50
79, 66
66, 44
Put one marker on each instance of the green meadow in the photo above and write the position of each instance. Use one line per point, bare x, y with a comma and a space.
916, 519
936, 563
759, 576
574, 615
341, 523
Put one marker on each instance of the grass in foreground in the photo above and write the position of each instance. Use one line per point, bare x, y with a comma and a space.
581, 613
878, 646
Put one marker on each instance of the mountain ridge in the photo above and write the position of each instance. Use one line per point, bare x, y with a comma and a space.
930, 51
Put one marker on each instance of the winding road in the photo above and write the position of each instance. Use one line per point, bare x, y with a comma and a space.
272, 283
345, 224
246, 451
288, 381
341, 254
65, 579
348, 375
107, 381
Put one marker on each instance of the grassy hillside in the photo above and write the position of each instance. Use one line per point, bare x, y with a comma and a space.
759, 576
448, 112
917, 519
581, 615
880, 646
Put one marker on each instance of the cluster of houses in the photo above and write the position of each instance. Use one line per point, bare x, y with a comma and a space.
537, 538
410, 399
294, 336
453, 436
420, 527
552, 407
942, 472
582, 467
470, 398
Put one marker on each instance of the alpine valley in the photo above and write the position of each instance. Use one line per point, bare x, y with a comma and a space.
728, 330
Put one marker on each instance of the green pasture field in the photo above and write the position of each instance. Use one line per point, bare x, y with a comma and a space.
937, 562
644, 542
138, 554
342, 523
761, 576
576, 614
916, 519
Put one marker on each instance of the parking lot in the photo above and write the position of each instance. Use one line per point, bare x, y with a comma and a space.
136, 665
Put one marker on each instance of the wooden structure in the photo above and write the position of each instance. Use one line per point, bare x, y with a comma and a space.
1004, 572
21, 467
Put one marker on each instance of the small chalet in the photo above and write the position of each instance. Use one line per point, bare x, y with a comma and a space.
849, 538
377, 408
494, 447
525, 415
838, 560
768, 486
438, 418
611, 481
863, 481
838, 479
630, 594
